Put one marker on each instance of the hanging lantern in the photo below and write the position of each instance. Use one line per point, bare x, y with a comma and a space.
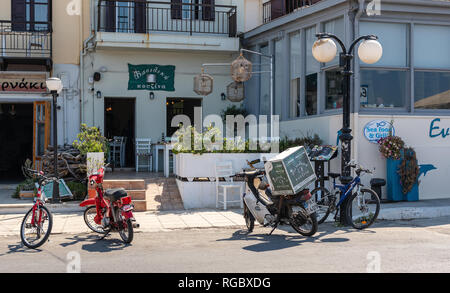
235, 91
241, 69
203, 84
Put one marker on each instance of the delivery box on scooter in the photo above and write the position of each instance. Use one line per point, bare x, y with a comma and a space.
290, 171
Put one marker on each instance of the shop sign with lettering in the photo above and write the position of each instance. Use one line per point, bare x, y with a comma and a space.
164, 76
25, 83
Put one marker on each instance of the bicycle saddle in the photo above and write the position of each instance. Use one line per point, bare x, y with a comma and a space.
334, 175
115, 194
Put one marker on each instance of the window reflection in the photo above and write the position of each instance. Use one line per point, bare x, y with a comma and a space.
311, 94
334, 97
383, 88
432, 90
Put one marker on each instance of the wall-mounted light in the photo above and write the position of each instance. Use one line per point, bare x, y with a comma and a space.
223, 96
98, 94
151, 95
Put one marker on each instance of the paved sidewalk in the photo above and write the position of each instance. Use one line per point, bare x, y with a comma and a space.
68, 217
73, 223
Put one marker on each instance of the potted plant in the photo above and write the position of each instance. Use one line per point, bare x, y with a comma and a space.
402, 170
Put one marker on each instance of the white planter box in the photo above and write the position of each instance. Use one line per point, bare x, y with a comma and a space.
201, 194
194, 165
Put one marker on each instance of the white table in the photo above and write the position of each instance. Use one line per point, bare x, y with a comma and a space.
166, 148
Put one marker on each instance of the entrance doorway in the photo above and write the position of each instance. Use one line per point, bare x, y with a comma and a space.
16, 139
120, 121
177, 106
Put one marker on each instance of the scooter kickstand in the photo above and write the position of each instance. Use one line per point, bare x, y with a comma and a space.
274, 227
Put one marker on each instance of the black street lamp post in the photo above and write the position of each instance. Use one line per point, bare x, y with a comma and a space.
55, 87
324, 50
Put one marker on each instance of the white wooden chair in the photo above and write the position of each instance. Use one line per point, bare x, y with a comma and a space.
144, 149
225, 170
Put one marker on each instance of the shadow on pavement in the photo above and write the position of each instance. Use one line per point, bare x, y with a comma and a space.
20, 248
96, 243
278, 241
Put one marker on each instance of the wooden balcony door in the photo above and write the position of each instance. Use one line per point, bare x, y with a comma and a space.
41, 131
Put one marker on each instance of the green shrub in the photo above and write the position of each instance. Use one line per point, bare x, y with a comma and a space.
90, 140
27, 185
79, 190
308, 141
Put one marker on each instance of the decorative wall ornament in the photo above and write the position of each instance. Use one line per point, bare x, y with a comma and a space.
241, 69
235, 91
203, 84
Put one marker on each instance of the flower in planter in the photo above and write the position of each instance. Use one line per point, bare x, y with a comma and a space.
390, 147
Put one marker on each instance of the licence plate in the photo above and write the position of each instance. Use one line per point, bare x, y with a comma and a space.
127, 208
311, 207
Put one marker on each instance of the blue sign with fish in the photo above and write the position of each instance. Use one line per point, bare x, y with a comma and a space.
377, 129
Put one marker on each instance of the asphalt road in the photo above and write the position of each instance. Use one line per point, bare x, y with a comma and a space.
400, 246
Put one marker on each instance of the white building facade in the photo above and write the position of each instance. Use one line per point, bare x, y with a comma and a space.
410, 85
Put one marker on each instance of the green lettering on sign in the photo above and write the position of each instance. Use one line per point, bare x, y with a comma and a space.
165, 77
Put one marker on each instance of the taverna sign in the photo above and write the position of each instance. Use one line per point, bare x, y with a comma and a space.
377, 129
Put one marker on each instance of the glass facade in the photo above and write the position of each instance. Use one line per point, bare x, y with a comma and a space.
264, 102
383, 88
333, 90
413, 73
431, 90
295, 74
312, 69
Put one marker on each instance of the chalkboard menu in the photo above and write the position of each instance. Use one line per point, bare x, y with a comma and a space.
290, 172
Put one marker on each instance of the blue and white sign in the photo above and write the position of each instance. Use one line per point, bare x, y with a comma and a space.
377, 129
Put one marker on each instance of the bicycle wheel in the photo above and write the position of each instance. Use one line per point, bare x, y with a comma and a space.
35, 235
89, 215
301, 222
249, 219
363, 208
126, 231
324, 201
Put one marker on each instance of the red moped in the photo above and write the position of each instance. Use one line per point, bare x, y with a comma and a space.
110, 210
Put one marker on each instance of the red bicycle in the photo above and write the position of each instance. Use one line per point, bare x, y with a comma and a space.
110, 210
38, 221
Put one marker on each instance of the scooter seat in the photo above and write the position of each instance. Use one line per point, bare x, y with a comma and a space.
115, 194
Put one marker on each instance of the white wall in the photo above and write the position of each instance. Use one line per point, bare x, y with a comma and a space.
151, 114
69, 101
414, 130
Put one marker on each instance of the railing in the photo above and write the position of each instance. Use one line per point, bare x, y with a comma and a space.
175, 16
26, 39
275, 8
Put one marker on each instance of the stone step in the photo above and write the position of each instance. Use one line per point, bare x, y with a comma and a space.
140, 205
136, 194
133, 184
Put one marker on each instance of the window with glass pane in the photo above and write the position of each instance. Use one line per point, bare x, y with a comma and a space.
124, 17
393, 37
264, 100
295, 65
311, 94
431, 90
383, 88
336, 27
431, 46
278, 99
333, 95
36, 14
312, 68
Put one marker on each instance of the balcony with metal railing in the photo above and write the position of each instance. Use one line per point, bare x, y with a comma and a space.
25, 43
274, 9
171, 25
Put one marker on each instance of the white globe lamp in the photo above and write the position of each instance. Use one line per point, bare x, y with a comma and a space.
324, 50
370, 51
